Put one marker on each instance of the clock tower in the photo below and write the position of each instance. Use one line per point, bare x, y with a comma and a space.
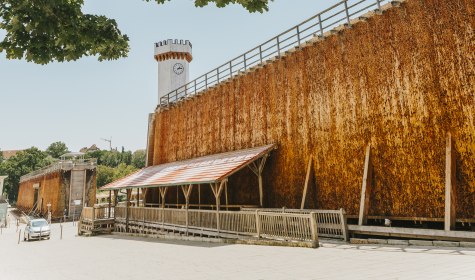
173, 57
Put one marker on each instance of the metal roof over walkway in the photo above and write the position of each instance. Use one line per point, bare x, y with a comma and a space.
202, 170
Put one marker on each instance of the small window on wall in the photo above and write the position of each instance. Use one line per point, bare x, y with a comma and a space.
36, 186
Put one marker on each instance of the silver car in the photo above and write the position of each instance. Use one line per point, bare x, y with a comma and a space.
36, 229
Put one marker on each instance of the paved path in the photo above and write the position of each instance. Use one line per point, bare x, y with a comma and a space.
114, 257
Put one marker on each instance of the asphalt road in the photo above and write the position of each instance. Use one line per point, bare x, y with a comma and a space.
115, 257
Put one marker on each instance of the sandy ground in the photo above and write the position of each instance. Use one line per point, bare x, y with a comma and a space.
114, 257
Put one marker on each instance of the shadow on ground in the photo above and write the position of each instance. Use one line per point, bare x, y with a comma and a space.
201, 244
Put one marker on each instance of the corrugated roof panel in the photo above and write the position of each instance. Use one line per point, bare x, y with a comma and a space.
207, 169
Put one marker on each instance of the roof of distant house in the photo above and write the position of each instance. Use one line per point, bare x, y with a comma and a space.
9, 153
90, 149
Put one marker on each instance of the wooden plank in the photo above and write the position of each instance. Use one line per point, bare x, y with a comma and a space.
366, 188
450, 184
307, 179
433, 234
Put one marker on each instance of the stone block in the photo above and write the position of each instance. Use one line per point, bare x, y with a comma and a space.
446, 244
421, 242
467, 244
398, 242
358, 241
377, 241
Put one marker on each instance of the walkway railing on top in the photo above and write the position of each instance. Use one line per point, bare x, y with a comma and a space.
316, 26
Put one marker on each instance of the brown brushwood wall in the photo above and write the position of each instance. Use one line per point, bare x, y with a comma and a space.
399, 81
49, 192
54, 189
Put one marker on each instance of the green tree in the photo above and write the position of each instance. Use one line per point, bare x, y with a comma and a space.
107, 174
57, 149
42, 31
22, 163
138, 158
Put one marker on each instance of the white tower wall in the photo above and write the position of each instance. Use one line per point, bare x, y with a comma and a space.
168, 80
173, 57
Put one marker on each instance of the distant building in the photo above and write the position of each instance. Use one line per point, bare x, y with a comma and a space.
93, 148
9, 153
67, 184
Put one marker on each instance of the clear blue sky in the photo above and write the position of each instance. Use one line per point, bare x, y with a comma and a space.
83, 101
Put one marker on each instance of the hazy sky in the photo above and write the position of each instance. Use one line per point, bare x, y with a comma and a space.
83, 101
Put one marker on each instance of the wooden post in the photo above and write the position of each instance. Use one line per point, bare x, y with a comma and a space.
217, 190
314, 229
366, 188
144, 196
186, 192
344, 225
226, 194
163, 193
199, 197
307, 179
138, 197
110, 204
93, 218
116, 197
450, 184
257, 169
258, 224
129, 195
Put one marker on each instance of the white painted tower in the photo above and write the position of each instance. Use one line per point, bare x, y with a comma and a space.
173, 57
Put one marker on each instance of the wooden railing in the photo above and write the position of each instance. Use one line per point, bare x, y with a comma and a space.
316, 26
331, 223
259, 224
97, 213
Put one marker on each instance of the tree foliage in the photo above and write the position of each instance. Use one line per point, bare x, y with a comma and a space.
250, 5
107, 174
20, 164
57, 149
138, 159
113, 165
42, 31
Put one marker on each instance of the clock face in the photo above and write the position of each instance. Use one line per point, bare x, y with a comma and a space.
178, 68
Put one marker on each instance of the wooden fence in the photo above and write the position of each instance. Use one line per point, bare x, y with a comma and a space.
331, 223
275, 224
257, 224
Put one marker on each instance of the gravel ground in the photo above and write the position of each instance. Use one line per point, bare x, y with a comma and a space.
116, 257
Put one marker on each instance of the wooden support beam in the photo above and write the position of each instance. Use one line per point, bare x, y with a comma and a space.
217, 190
110, 202
307, 180
187, 192
226, 194
366, 188
450, 184
257, 169
199, 196
116, 197
163, 193
144, 196
129, 196
138, 197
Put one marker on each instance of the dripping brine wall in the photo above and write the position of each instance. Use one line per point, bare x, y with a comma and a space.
399, 81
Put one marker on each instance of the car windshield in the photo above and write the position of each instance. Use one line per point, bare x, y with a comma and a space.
39, 223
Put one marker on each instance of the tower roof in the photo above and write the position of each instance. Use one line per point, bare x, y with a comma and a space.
173, 49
